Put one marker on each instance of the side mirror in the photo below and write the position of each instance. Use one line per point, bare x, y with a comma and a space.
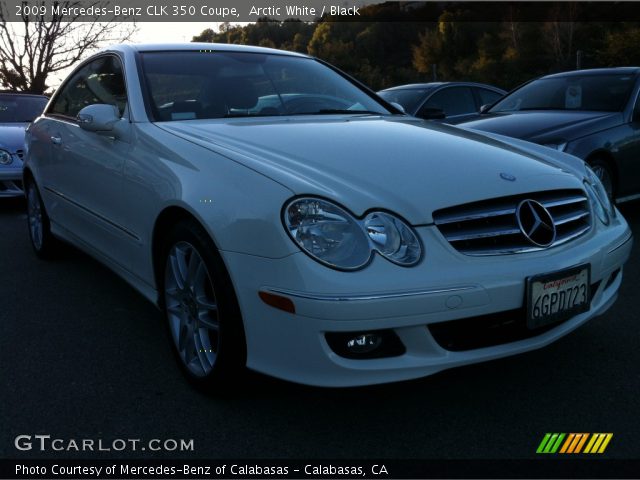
98, 117
485, 108
431, 114
399, 107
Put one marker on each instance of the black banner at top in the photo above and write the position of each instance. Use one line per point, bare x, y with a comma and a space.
234, 11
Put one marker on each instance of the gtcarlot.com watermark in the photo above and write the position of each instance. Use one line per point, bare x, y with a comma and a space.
47, 443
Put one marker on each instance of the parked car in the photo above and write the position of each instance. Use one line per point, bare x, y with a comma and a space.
592, 114
16, 111
453, 102
325, 238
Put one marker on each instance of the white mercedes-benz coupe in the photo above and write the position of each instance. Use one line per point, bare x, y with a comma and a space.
287, 219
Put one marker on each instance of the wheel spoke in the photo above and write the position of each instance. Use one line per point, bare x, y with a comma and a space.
205, 304
206, 321
190, 346
194, 270
183, 332
175, 309
175, 271
205, 355
180, 266
173, 293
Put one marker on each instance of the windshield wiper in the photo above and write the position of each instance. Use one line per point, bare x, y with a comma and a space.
329, 111
249, 115
541, 108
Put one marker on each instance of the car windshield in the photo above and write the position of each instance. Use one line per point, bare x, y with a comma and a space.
410, 99
21, 108
608, 93
194, 85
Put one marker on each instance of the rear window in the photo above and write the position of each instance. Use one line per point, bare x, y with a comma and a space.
410, 99
593, 92
488, 97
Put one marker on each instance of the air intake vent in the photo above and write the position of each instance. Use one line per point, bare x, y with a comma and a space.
491, 227
20, 154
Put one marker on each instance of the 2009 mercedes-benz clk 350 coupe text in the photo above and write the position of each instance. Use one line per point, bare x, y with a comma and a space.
286, 218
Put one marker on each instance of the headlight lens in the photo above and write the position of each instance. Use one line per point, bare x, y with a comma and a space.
392, 238
599, 198
334, 237
327, 233
5, 157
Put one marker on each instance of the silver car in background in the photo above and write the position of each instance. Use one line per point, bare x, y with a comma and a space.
17, 110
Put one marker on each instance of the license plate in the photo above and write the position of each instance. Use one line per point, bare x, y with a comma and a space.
557, 296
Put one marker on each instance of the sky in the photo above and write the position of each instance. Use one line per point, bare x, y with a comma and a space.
153, 32
163, 32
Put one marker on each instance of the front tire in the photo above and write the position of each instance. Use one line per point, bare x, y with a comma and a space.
42, 240
201, 309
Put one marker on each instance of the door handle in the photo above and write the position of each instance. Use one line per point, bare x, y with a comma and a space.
56, 140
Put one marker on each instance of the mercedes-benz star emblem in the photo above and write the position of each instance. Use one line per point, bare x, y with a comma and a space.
536, 223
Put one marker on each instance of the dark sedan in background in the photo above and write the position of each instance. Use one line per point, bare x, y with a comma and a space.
452, 102
592, 114
17, 110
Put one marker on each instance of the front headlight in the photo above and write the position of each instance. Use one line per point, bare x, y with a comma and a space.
5, 157
334, 237
392, 238
599, 198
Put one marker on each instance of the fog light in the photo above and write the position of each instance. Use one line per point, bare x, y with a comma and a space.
365, 345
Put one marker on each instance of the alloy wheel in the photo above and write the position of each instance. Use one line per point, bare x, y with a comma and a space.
192, 309
34, 213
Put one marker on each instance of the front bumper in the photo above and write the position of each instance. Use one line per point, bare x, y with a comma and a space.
445, 286
11, 180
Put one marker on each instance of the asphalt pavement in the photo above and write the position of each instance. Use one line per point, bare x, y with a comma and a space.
82, 355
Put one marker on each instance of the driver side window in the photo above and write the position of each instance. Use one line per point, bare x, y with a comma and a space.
100, 81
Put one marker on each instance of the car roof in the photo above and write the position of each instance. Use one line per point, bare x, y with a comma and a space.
419, 86
197, 47
596, 71
22, 94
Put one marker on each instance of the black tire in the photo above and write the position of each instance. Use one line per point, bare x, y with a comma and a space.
43, 242
602, 169
186, 328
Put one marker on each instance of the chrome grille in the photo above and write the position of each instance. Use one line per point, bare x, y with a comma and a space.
490, 227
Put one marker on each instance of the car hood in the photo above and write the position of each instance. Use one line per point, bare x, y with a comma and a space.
548, 126
12, 136
406, 165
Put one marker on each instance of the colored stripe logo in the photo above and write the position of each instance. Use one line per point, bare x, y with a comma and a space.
574, 443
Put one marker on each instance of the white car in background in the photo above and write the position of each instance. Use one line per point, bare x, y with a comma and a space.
287, 219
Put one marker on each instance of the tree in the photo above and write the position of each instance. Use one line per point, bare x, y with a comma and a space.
620, 48
39, 45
